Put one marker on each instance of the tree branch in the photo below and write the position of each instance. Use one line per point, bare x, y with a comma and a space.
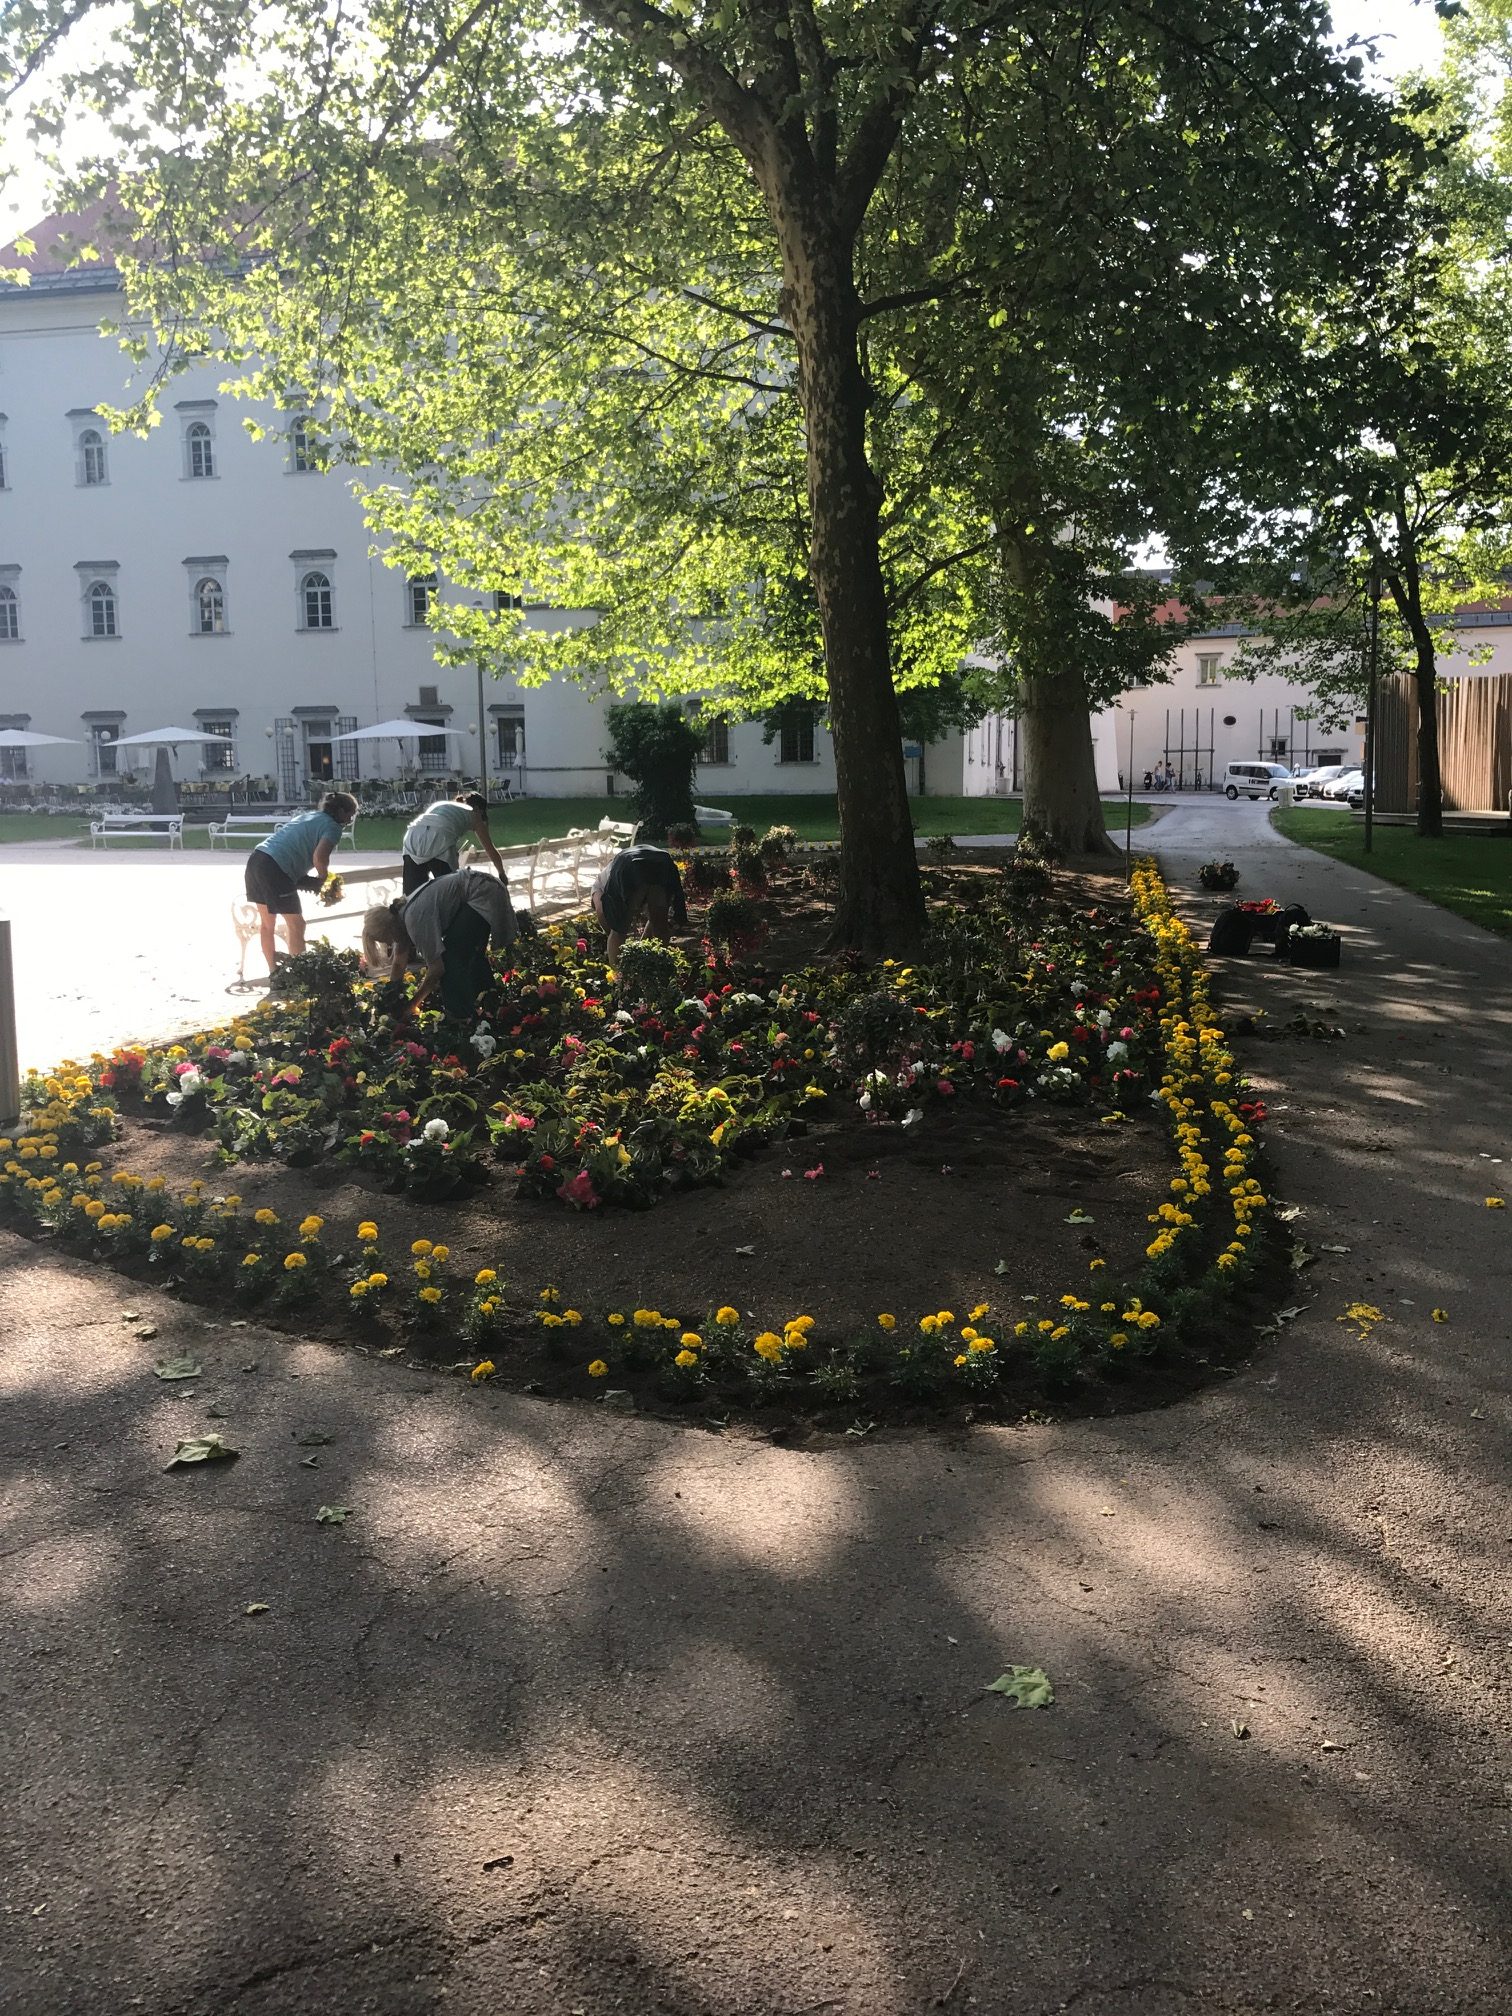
878, 128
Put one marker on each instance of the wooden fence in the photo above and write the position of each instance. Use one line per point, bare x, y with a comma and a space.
1475, 743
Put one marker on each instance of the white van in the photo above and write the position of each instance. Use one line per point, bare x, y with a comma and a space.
1259, 780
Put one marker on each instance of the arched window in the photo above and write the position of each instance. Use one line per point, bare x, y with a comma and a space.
10, 616
101, 602
420, 592
209, 607
201, 449
315, 594
92, 469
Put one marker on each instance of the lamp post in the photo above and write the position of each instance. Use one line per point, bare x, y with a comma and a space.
1129, 813
482, 721
1374, 591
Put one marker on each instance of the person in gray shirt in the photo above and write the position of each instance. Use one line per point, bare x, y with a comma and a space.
448, 925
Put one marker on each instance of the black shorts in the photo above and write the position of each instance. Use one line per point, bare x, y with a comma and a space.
271, 886
418, 873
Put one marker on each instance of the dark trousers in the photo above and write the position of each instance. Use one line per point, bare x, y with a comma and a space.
418, 873
465, 971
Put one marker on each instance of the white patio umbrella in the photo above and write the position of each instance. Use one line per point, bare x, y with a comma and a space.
27, 738
403, 730
165, 796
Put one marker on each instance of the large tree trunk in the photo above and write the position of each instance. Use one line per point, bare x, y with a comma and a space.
881, 904
1061, 803
1430, 806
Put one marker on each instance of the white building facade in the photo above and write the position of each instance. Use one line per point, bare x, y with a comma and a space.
210, 581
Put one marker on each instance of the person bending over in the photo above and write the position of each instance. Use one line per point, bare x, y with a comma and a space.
640, 885
433, 842
295, 857
449, 925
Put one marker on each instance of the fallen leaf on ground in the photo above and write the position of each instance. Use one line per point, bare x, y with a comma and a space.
255, 1610
177, 1368
312, 1438
333, 1515
200, 1449
1240, 1729
309, 1462
1441, 1315
747, 1252
147, 1332
1080, 1217
1025, 1686
1333, 1249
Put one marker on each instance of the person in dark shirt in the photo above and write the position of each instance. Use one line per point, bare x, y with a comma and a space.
448, 924
641, 885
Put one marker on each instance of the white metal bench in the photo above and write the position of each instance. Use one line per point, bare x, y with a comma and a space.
246, 825
710, 815
137, 826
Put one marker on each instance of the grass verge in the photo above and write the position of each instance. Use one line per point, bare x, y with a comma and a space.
1469, 873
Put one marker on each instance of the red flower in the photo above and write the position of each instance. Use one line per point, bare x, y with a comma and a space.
813, 1175
578, 1190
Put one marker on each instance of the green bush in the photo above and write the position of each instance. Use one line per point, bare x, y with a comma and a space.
656, 747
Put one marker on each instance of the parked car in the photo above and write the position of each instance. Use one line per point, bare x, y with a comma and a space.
1310, 783
1254, 780
1338, 788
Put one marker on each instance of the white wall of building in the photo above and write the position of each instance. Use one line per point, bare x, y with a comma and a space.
153, 529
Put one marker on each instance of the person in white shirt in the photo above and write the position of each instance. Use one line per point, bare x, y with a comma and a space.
433, 841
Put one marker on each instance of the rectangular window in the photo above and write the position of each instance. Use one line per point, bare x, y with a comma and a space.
797, 735
320, 751
316, 606
509, 738
420, 596
199, 449
10, 615
1278, 749
93, 468
103, 736
1207, 669
433, 757
13, 768
716, 747
306, 455
219, 759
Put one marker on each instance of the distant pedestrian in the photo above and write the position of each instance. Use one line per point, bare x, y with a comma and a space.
295, 857
449, 925
433, 841
640, 885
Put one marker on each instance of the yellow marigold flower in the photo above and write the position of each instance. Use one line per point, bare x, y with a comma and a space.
421, 1247
160, 1182
311, 1227
490, 1307
484, 1369
769, 1346
959, 1359
252, 1260
691, 1341
1044, 1324
423, 1270
727, 1317
979, 1344
551, 1295
440, 1254
944, 1317
265, 1217
980, 1311
1057, 1334
967, 1333
377, 1280
597, 1369
485, 1276
685, 1359
670, 1323
572, 1317
1148, 1320
241, 1042
615, 1318
886, 1322
1058, 1052
160, 1233
1093, 1265
293, 1262
367, 1231
929, 1325
94, 1208
646, 1319
1118, 1340
430, 1295
1021, 1329
357, 1290
803, 1323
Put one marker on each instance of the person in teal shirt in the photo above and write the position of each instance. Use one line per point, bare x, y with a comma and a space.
295, 857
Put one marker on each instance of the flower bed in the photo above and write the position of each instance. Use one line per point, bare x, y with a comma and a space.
584, 1099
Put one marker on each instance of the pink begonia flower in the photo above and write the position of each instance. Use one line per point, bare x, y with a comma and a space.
813, 1175
944, 1085
579, 1191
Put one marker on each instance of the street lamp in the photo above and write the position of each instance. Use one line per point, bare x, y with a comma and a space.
482, 718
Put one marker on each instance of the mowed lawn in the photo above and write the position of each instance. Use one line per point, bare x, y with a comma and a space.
1469, 873
812, 816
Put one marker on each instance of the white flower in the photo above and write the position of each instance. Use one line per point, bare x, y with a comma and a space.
918, 1068
623, 1017
484, 1044
190, 1083
1001, 1041
865, 1102
1117, 1052
435, 1130
1104, 1017
175, 1098
914, 1114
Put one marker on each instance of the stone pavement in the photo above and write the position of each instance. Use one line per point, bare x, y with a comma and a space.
583, 1712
